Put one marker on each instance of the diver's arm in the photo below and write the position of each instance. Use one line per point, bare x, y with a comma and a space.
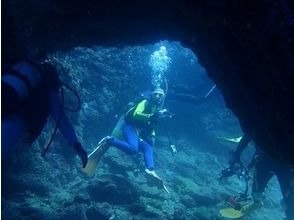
67, 130
56, 111
243, 144
139, 112
240, 148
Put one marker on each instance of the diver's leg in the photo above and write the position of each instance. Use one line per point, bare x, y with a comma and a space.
12, 130
148, 154
66, 128
149, 163
286, 180
261, 177
130, 146
263, 173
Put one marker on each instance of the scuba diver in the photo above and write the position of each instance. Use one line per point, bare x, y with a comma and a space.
135, 131
264, 169
30, 93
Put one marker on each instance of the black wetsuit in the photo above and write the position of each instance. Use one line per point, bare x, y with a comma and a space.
265, 168
34, 109
30, 94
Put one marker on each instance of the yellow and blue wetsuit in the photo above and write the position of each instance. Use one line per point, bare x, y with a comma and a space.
136, 130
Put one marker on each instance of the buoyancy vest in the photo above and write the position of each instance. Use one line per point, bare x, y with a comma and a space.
37, 80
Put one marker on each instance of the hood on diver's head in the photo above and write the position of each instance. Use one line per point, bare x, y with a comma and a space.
158, 95
158, 90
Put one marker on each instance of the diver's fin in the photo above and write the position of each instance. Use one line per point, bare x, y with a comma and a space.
95, 156
234, 140
231, 213
156, 179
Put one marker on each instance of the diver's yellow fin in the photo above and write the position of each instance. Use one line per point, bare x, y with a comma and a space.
234, 140
95, 157
231, 213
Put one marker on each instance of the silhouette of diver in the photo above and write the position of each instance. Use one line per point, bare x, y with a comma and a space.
30, 93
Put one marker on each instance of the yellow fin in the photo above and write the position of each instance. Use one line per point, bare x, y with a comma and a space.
231, 213
94, 158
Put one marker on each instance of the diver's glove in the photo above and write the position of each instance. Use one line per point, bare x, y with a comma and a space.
162, 113
81, 153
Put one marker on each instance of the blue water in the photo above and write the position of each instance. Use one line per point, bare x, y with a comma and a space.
106, 80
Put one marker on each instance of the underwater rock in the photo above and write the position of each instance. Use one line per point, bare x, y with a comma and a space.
112, 189
75, 211
204, 200
136, 208
82, 198
188, 201
202, 195
99, 211
152, 212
